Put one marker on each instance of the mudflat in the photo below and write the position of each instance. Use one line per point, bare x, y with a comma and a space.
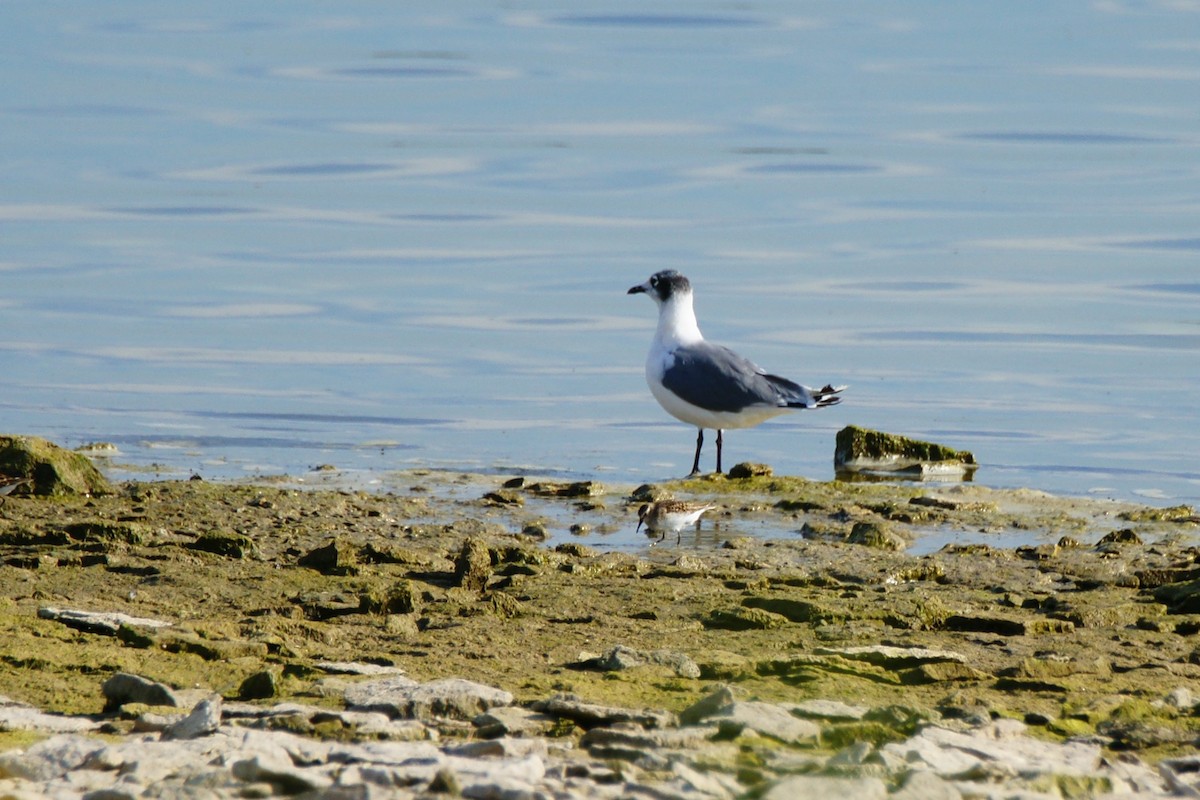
249, 591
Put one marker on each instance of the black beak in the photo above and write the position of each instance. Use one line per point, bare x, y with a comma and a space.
639, 289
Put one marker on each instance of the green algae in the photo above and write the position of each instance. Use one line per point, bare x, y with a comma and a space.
752, 614
1181, 513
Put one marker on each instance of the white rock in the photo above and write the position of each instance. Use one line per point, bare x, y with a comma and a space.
50, 758
1182, 775
708, 784
204, 719
768, 720
896, 656
826, 788
357, 668
103, 622
450, 697
1001, 748
512, 721
16, 716
1181, 698
923, 785
275, 768
826, 709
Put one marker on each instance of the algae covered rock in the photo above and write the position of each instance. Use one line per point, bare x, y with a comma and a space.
54, 470
864, 451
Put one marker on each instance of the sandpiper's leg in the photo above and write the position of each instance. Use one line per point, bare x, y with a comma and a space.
699, 444
719, 442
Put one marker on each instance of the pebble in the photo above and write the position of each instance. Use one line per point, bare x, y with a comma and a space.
213, 752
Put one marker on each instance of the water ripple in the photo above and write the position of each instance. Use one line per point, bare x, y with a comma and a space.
657, 21
1060, 137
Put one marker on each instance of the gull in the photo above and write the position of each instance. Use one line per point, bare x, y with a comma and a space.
708, 385
670, 515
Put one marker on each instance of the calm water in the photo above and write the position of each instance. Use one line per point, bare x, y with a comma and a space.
246, 239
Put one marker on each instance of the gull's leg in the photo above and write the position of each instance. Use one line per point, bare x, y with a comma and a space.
720, 440
699, 444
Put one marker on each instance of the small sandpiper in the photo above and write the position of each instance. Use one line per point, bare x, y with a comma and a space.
9, 485
670, 515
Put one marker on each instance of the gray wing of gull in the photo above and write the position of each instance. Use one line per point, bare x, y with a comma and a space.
715, 378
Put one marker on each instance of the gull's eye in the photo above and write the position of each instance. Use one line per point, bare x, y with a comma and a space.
654, 281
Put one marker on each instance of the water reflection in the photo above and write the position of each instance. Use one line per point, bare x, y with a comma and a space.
657, 21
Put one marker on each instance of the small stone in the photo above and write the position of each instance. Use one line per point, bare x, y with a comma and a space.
1181, 698
504, 498
512, 721
259, 686
747, 469
767, 720
204, 720
877, 535
124, 688
473, 566
622, 658
589, 715
1123, 536
828, 709
444, 782
333, 558
708, 706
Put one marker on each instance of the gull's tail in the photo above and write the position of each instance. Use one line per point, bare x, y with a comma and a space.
827, 395
794, 395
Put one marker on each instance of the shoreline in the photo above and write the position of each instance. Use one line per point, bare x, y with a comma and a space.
1087, 638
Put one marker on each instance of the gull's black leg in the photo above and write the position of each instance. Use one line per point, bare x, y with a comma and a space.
720, 440
699, 444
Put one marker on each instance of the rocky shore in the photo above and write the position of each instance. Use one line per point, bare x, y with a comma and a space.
474, 635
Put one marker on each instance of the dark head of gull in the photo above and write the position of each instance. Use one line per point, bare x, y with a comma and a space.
662, 285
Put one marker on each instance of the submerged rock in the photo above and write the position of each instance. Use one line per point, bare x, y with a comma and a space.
859, 450
53, 470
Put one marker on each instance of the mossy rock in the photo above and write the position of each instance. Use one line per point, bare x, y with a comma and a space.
54, 470
863, 450
878, 535
225, 543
